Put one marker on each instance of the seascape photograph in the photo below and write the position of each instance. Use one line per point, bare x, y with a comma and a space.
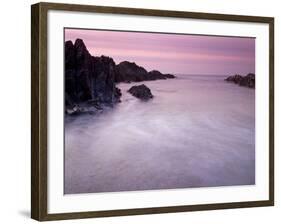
152, 111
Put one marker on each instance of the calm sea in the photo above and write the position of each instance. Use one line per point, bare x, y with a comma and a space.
197, 131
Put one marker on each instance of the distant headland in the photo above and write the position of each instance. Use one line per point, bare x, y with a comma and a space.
248, 80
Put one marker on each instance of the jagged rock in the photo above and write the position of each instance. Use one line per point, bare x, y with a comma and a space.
104, 80
142, 92
90, 82
88, 78
248, 80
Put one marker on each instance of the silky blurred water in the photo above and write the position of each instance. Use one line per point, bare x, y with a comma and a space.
197, 131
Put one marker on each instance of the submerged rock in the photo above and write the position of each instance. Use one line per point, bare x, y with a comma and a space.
142, 92
248, 80
73, 110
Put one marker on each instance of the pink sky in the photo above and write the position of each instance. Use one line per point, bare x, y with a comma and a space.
171, 53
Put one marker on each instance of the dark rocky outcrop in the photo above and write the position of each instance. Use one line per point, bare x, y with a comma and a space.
104, 80
131, 72
142, 92
248, 80
154, 75
169, 76
235, 78
89, 81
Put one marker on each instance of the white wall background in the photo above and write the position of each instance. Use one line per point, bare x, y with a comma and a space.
15, 111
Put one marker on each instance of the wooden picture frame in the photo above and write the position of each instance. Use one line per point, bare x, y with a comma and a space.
39, 105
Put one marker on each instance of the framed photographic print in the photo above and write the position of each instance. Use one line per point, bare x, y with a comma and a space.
139, 111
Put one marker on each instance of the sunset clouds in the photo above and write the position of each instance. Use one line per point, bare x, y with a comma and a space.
170, 53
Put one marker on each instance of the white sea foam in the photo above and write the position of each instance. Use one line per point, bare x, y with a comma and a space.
197, 131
